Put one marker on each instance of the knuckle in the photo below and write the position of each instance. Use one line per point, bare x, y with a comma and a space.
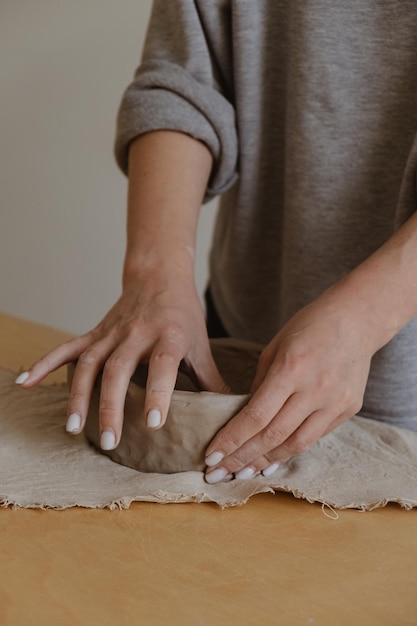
174, 330
356, 402
43, 363
158, 389
324, 383
256, 416
356, 406
228, 441
116, 364
93, 334
273, 437
107, 413
88, 358
174, 335
133, 330
164, 357
293, 360
77, 397
299, 445
350, 403
346, 397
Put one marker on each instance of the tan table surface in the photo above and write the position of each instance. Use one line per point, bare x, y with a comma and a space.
276, 560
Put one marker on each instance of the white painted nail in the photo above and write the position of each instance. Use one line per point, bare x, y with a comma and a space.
154, 418
214, 458
73, 423
216, 476
107, 440
245, 473
22, 378
228, 478
268, 471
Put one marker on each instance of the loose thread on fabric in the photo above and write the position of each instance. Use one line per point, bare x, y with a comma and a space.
325, 506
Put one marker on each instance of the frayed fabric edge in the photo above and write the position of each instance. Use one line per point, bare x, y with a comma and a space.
223, 499
162, 497
158, 497
333, 506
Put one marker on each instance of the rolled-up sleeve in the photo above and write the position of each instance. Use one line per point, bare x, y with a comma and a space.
181, 85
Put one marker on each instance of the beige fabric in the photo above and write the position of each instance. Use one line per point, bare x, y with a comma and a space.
363, 464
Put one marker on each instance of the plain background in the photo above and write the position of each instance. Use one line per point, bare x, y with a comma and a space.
63, 68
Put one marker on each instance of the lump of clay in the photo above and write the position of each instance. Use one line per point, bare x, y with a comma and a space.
194, 416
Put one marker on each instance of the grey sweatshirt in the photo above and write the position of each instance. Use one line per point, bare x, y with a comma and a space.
309, 108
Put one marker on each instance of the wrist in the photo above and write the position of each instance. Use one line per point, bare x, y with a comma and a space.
368, 308
158, 267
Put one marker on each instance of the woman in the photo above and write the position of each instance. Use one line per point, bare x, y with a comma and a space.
303, 115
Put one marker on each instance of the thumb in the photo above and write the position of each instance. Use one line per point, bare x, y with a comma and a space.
209, 376
264, 364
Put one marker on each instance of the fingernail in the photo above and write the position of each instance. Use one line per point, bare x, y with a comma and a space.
154, 418
216, 476
73, 423
270, 469
22, 378
214, 458
228, 478
107, 440
245, 473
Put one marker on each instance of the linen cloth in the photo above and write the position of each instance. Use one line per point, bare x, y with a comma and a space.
363, 464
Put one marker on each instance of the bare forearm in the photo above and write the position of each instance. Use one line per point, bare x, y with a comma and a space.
158, 318
168, 174
385, 284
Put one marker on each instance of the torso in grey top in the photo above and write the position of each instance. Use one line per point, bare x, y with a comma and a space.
310, 111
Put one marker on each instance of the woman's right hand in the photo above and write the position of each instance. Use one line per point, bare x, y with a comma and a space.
157, 320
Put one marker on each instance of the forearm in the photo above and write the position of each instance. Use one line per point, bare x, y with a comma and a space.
384, 286
168, 175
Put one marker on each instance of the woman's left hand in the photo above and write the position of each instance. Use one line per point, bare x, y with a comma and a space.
311, 377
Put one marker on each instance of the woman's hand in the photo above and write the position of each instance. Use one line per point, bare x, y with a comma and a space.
312, 376
159, 320
310, 379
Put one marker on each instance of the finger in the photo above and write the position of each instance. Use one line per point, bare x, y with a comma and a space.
252, 455
338, 421
307, 434
162, 375
87, 368
250, 421
312, 429
208, 374
52, 360
117, 373
264, 364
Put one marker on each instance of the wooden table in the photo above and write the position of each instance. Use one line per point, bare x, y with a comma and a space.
276, 560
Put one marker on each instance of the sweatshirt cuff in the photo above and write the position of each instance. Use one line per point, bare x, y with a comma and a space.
164, 96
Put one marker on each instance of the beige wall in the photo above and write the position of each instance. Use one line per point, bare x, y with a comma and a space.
63, 68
